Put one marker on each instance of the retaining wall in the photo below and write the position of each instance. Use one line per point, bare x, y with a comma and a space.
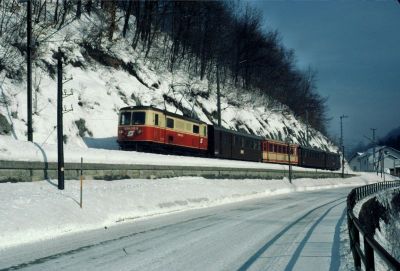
17, 171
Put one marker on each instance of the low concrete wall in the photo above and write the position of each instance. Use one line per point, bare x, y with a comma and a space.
17, 171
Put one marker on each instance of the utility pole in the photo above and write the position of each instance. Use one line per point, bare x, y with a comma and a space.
341, 141
307, 127
218, 98
383, 165
29, 68
60, 137
60, 111
374, 145
290, 164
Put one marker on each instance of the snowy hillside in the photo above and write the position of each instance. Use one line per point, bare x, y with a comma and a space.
109, 75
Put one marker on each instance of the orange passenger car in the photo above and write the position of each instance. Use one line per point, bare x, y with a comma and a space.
146, 127
279, 152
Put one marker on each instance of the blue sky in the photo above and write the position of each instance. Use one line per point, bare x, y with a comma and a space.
355, 48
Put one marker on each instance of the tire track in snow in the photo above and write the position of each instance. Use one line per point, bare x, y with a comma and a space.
271, 242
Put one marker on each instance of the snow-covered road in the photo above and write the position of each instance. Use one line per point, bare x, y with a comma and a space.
296, 231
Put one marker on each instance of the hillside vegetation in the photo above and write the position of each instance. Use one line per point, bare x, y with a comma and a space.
162, 53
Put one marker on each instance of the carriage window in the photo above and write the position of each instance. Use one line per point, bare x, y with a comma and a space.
125, 118
156, 119
170, 123
205, 130
138, 118
195, 129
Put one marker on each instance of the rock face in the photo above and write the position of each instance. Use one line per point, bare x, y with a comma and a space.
380, 217
5, 127
371, 213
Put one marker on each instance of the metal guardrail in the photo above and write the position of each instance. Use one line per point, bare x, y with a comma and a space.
371, 246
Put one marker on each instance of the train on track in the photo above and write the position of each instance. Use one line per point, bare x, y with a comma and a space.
146, 128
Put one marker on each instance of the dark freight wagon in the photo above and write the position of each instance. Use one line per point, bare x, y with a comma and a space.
309, 157
332, 161
228, 144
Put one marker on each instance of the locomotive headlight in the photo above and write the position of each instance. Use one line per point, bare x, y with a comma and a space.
138, 131
130, 133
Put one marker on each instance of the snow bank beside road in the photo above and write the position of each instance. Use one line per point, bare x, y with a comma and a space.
35, 211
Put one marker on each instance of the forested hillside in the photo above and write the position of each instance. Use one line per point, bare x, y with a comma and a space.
163, 53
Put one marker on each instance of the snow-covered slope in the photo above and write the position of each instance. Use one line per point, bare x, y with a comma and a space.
107, 76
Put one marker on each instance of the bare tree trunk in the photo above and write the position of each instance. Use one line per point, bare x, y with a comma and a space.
64, 15
45, 11
56, 12
111, 28
127, 15
138, 23
41, 8
89, 6
78, 9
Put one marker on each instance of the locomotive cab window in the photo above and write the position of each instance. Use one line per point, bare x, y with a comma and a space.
170, 123
195, 129
125, 118
138, 118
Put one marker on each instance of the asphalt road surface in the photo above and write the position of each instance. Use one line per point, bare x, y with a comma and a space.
297, 231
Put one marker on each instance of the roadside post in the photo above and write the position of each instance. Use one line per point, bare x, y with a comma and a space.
81, 181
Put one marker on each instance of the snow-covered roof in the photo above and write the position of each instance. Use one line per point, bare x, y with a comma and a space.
378, 149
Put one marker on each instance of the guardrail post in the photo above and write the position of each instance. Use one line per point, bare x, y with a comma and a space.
354, 241
369, 256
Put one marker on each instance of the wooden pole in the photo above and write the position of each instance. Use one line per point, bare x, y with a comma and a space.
29, 69
60, 142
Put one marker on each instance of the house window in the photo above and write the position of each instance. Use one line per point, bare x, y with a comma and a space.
170, 123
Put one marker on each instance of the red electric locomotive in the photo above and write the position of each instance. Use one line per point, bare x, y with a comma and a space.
149, 128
